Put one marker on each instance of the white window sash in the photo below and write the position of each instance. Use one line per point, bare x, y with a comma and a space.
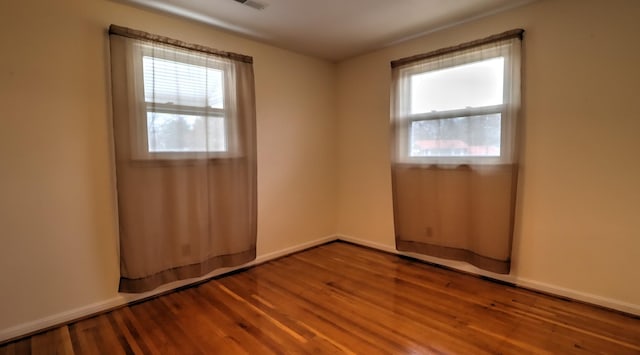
139, 131
508, 110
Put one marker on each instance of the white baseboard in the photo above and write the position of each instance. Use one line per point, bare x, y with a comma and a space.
294, 249
124, 298
59, 318
519, 281
580, 296
458, 265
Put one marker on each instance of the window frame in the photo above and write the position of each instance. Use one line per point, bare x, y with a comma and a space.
406, 118
139, 130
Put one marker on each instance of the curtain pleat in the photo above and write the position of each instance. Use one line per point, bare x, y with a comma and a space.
456, 207
463, 213
181, 215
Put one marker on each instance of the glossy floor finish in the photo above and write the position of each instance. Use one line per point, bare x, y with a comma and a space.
341, 298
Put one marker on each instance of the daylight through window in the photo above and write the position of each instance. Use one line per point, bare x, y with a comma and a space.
184, 102
455, 109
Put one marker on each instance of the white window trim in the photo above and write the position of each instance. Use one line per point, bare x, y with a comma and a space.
507, 124
139, 133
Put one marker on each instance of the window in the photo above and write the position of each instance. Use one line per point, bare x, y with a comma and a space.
454, 167
184, 104
184, 133
457, 108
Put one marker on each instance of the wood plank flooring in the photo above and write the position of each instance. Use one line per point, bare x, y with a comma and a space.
341, 298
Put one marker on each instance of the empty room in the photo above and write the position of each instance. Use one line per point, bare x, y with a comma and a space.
334, 176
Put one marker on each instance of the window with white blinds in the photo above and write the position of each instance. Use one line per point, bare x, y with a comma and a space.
184, 103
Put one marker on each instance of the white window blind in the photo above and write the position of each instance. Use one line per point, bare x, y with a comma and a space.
183, 102
171, 82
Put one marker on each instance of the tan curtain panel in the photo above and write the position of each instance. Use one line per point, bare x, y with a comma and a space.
184, 131
454, 121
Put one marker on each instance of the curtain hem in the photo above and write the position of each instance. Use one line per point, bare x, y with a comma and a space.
148, 283
482, 262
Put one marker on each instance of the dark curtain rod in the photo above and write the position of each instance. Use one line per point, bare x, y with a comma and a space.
136, 34
516, 33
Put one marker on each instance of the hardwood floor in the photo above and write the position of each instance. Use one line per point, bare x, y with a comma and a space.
341, 298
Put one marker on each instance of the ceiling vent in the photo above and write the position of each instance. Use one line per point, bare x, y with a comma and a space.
253, 4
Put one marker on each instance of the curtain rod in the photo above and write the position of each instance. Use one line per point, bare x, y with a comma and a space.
136, 34
516, 33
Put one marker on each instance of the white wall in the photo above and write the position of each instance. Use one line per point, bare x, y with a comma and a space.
577, 223
58, 220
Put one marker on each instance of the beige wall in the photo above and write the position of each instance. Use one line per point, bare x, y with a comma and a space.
58, 229
318, 162
578, 221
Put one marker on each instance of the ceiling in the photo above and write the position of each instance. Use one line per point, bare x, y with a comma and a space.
332, 29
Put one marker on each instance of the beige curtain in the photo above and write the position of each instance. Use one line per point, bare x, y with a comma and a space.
455, 164
184, 130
